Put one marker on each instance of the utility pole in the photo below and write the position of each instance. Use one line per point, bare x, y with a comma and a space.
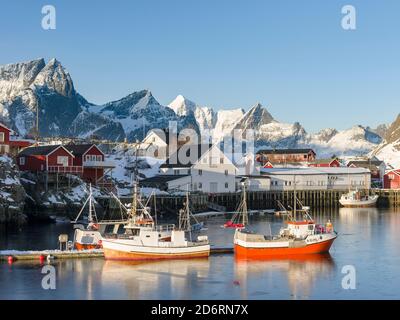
37, 124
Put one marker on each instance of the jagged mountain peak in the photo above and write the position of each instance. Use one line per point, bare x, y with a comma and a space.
131, 103
256, 117
55, 77
182, 106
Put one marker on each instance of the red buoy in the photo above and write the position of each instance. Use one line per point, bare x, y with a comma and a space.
42, 258
10, 259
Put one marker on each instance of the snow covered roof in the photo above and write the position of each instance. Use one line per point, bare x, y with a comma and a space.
324, 161
365, 163
79, 149
193, 153
314, 171
41, 150
5, 127
285, 151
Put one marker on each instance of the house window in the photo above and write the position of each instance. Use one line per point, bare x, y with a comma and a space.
391, 176
200, 185
200, 172
305, 156
226, 172
226, 185
98, 158
22, 161
2, 137
221, 160
176, 172
62, 160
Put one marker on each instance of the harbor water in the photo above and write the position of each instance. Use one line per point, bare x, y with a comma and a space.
367, 249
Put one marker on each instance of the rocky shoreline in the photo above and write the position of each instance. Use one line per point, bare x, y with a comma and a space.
23, 198
12, 193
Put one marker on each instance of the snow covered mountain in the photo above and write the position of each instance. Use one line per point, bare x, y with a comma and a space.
32, 86
389, 149
354, 141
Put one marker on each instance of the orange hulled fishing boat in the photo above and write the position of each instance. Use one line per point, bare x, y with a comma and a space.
299, 237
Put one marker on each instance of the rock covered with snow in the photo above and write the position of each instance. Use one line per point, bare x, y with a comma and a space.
12, 194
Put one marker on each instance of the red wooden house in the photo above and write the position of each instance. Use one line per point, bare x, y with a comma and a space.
332, 163
92, 160
391, 179
85, 160
50, 159
4, 139
10, 143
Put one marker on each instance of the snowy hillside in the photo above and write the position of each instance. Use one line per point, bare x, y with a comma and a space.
389, 149
354, 141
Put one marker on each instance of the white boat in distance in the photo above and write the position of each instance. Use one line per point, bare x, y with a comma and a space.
354, 199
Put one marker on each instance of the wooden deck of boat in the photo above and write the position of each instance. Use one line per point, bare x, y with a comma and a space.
75, 254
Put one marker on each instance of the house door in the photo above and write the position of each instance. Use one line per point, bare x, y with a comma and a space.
213, 187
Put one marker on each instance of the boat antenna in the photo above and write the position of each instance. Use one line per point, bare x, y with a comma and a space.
155, 208
244, 204
294, 198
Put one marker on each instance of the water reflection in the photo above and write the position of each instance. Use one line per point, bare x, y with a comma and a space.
302, 274
172, 278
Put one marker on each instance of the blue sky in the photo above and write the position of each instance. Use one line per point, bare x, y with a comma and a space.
292, 56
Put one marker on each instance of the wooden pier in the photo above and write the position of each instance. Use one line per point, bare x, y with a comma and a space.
75, 254
168, 205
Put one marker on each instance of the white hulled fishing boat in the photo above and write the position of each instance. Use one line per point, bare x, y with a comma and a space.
355, 198
145, 240
88, 237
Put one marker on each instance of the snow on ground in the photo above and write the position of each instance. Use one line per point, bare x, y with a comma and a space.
124, 161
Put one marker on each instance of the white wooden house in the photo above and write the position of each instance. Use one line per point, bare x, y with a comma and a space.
158, 143
201, 167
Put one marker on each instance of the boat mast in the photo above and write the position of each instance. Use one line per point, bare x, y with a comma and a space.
90, 204
184, 216
133, 210
244, 205
294, 198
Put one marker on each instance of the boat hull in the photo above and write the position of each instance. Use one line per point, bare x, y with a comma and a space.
81, 246
126, 252
348, 202
358, 204
258, 252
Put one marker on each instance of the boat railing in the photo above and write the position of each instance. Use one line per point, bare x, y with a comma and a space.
165, 227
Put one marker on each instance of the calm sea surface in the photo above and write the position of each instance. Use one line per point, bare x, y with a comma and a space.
369, 240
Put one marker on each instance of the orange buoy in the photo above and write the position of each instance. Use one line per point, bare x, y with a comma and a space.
10, 259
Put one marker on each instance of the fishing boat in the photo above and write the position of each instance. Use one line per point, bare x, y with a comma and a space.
146, 241
88, 237
240, 217
354, 199
298, 237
